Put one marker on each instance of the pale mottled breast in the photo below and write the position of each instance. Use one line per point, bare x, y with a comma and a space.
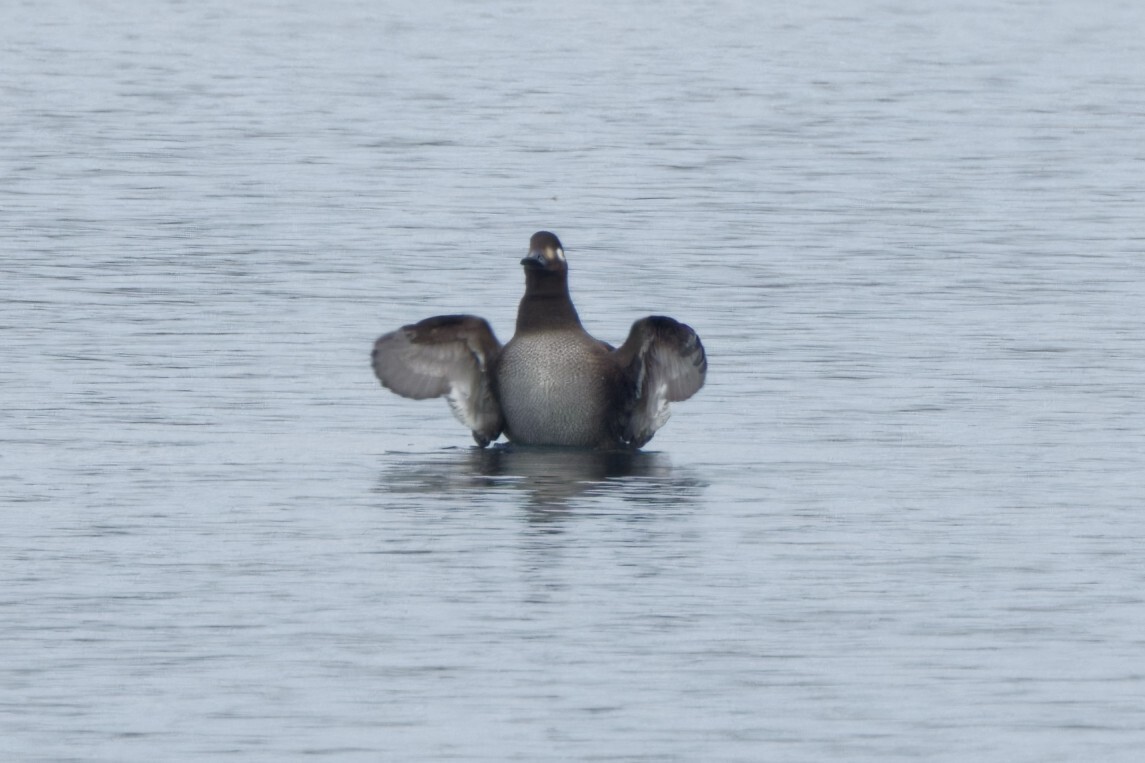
554, 388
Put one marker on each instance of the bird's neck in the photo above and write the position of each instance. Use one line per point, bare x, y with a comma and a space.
546, 303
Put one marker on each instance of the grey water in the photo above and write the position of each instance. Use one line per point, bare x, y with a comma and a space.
903, 521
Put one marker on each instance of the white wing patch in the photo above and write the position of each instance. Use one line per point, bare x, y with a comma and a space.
661, 411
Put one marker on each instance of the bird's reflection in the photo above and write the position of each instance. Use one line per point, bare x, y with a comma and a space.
552, 480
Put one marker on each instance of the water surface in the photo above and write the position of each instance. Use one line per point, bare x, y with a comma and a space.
902, 521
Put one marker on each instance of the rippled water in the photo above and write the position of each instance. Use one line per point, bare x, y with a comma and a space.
902, 521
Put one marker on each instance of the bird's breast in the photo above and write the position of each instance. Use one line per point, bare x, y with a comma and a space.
554, 389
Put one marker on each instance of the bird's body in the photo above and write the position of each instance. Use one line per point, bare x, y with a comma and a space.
553, 383
554, 388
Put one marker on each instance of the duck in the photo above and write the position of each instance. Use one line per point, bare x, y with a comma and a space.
552, 384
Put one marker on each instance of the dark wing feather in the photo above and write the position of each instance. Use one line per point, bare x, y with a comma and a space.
664, 362
448, 355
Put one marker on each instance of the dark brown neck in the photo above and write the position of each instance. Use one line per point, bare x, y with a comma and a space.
546, 303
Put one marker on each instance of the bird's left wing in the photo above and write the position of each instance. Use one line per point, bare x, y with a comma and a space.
664, 362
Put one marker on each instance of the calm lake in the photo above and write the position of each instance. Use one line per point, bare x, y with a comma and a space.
902, 521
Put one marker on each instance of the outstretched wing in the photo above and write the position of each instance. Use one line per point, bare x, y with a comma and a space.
447, 355
664, 362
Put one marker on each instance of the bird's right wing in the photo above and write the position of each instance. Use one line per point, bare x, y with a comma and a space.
447, 355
